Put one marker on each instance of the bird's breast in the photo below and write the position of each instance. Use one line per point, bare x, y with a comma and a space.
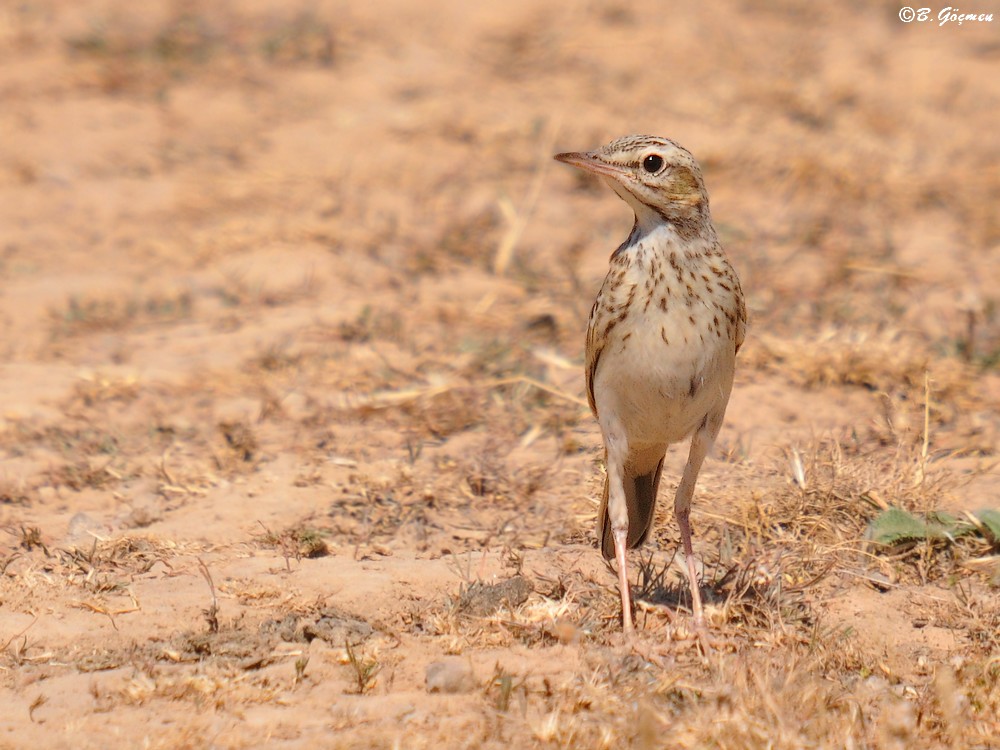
665, 322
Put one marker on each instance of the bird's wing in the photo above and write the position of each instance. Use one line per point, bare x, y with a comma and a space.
595, 345
741, 316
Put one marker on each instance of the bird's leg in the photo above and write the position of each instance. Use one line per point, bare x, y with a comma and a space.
620, 536
700, 443
685, 527
618, 514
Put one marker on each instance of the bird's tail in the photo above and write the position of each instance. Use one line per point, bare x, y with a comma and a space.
640, 497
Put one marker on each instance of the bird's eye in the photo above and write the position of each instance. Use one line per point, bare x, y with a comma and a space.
652, 163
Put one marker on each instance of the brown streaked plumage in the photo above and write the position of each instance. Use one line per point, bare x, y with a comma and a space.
661, 342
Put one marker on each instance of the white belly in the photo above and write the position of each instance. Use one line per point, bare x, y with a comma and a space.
662, 393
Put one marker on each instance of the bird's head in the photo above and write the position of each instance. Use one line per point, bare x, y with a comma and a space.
660, 179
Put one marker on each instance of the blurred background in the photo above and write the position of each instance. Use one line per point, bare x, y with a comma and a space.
185, 185
385, 146
291, 264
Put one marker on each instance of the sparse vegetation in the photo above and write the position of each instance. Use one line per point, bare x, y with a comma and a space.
365, 669
293, 403
113, 312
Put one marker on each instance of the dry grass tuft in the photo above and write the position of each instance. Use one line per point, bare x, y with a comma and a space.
241, 440
794, 535
214, 687
129, 56
96, 388
117, 312
83, 474
886, 360
296, 542
14, 492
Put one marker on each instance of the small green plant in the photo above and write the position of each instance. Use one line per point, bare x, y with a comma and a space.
895, 526
300, 669
365, 670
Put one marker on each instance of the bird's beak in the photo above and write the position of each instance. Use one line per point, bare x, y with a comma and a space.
590, 161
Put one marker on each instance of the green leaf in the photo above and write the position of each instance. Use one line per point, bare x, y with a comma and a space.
895, 525
990, 518
949, 525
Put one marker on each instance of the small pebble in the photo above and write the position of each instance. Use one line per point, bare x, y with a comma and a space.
84, 529
452, 674
566, 632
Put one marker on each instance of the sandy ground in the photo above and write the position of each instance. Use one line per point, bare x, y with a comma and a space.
292, 318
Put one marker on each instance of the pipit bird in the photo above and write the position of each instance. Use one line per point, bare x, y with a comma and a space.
661, 342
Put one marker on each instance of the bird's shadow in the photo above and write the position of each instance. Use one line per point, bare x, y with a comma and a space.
749, 591
661, 583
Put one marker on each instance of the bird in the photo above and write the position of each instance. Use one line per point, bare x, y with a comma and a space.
661, 345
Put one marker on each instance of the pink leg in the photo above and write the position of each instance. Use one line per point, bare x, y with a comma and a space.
617, 452
620, 536
700, 443
685, 526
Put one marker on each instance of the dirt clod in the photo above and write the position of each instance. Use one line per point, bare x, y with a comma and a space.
484, 599
452, 674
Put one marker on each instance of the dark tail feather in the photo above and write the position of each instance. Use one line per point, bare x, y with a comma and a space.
640, 496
